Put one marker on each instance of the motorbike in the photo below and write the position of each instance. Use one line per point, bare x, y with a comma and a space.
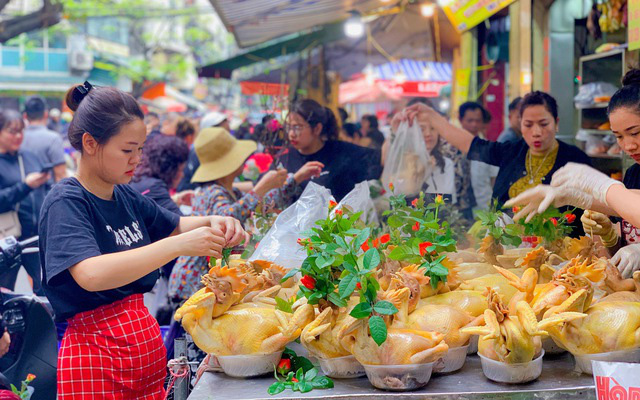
30, 323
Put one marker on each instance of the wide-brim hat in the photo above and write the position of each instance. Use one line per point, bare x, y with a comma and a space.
220, 154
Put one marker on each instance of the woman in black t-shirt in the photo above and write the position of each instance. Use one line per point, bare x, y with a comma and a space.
313, 134
102, 244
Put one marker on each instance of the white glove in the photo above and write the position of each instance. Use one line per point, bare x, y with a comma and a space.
627, 259
584, 178
537, 200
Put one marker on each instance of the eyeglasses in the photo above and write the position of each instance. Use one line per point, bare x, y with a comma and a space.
295, 128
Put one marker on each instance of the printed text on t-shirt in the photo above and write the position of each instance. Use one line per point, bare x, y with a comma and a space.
127, 236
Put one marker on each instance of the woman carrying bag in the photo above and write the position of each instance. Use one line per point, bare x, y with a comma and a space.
22, 191
102, 245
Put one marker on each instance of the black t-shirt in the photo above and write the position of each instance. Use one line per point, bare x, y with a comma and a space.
345, 165
76, 225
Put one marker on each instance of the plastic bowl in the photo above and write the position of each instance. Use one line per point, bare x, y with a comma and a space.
473, 345
511, 373
551, 348
246, 366
399, 378
583, 362
341, 367
453, 361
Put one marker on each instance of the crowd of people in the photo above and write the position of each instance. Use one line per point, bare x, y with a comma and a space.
124, 201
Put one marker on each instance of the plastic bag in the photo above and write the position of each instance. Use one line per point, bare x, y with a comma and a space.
616, 380
408, 163
359, 199
280, 244
592, 93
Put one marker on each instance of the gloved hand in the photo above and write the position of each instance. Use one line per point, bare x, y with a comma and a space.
627, 260
596, 223
584, 178
537, 200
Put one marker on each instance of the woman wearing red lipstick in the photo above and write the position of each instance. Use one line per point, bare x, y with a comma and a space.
524, 163
102, 244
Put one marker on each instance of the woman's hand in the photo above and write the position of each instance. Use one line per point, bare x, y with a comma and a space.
308, 171
271, 180
232, 230
584, 178
184, 198
538, 199
5, 343
410, 113
396, 121
36, 179
596, 223
627, 260
201, 242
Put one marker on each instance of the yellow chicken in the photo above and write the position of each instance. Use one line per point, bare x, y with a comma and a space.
513, 338
470, 301
404, 345
322, 336
494, 281
445, 319
608, 326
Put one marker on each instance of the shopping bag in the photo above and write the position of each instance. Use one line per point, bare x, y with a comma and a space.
408, 162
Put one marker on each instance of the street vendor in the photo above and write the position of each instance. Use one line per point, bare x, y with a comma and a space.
313, 134
102, 244
588, 188
524, 163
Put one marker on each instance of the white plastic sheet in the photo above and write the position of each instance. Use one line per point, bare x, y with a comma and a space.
408, 163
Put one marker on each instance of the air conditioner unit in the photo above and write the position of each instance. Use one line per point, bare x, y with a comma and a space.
81, 60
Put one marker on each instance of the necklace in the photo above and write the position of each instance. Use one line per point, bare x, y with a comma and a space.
533, 174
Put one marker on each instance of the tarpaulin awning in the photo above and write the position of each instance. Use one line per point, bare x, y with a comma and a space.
264, 88
414, 70
297, 43
165, 97
257, 21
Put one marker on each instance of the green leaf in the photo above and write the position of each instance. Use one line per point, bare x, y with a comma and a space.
345, 224
362, 237
299, 374
311, 374
335, 299
371, 259
340, 241
399, 253
347, 286
283, 305
361, 310
378, 329
275, 388
303, 363
439, 269
322, 382
350, 267
385, 308
305, 387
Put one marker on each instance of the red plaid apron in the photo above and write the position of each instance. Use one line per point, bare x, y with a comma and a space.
112, 352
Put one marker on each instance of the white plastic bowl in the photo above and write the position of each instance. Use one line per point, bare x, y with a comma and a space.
399, 378
453, 361
247, 366
551, 348
473, 345
511, 373
583, 362
341, 367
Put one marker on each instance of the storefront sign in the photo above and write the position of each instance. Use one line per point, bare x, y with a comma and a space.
465, 14
461, 94
634, 24
616, 380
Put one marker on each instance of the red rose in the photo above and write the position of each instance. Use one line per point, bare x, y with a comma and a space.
284, 366
516, 209
385, 238
338, 212
376, 243
570, 218
424, 246
414, 203
554, 221
391, 186
332, 204
416, 227
294, 379
358, 286
308, 282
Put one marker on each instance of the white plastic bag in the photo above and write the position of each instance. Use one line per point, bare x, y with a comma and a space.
408, 163
280, 244
587, 94
359, 199
616, 380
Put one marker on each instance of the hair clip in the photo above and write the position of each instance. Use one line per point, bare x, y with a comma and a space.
81, 91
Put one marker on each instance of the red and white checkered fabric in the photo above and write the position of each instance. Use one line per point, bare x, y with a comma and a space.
112, 352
